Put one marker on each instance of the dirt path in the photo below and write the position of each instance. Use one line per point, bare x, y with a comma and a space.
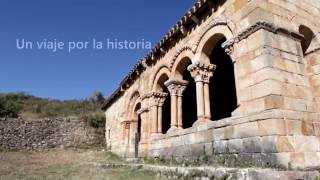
63, 164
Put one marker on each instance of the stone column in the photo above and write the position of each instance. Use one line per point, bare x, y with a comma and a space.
126, 136
176, 89
160, 104
229, 49
143, 115
206, 89
179, 104
146, 115
133, 130
154, 112
157, 100
159, 126
202, 74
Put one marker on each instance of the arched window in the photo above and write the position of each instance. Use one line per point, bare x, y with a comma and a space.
223, 96
166, 107
308, 36
189, 100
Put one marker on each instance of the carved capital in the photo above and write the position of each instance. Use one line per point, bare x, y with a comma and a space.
175, 87
228, 46
126, 123
146, 96
142, 110
158, 98
201, 72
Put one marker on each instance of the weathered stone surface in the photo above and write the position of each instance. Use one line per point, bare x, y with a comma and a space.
244, 130
272, 127
206, 172
252, 145
273, 144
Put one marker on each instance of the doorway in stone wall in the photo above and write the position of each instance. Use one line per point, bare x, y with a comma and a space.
137, 138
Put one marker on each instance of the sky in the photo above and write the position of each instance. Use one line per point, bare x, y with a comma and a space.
78, 66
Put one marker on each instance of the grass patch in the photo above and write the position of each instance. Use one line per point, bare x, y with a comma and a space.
66, 164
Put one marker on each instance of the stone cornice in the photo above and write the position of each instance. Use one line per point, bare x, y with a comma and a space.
228, 45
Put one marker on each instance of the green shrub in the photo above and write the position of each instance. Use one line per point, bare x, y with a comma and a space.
14, 104
96, 120
9, 106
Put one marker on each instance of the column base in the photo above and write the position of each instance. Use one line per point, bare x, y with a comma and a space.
200, 122
143, 141
154, 135
174, 128
237, 111
143, 150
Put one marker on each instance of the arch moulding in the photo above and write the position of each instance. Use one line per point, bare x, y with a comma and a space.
218, 32
163, 69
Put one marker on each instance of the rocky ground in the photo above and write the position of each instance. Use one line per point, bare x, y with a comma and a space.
64, 164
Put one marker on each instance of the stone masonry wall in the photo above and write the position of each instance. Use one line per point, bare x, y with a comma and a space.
18, 134
278, 116
259, 139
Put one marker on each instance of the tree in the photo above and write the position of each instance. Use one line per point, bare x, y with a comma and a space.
9, 106
98, 97
2, 110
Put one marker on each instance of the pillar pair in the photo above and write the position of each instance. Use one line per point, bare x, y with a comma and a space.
157, 101
176, 89
202, 73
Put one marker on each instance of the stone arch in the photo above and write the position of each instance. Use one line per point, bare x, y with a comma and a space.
209, 40
137, 106
222, 85
308, 36
180, 73
311, 41
159, 78
218, 21
179, 63
223, 92
185, 51
133, 101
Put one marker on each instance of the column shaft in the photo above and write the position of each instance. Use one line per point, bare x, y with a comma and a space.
159, 119
180, 125
207, 101
176, 89
154, 119
174, 122
143, 126
235, 66
200, 101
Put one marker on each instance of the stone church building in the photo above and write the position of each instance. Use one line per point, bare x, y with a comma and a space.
232, 81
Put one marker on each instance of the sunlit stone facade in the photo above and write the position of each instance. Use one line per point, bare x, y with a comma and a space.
233, 80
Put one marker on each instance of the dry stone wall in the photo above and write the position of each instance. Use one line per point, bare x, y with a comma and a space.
19, 134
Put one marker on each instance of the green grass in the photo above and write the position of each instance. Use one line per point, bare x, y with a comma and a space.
65, 164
